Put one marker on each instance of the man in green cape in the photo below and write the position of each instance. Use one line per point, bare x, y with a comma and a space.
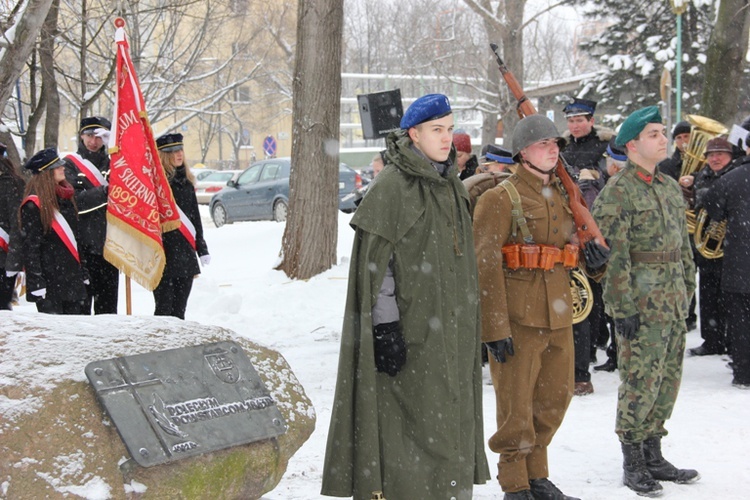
407, 414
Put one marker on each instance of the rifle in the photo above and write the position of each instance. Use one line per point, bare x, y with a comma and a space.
586, 227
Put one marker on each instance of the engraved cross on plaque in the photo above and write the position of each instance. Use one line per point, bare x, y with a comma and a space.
178, 403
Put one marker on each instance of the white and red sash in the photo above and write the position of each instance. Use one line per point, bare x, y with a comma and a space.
61, 228
88, 169
4, 240
187, 228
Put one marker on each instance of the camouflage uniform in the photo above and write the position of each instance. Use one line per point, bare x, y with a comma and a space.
650, 273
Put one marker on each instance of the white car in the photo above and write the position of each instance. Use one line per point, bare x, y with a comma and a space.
213, 183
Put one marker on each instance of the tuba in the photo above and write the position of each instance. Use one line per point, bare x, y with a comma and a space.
702, 130
709, 236
582, 295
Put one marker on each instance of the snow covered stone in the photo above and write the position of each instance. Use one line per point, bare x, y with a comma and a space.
56, 441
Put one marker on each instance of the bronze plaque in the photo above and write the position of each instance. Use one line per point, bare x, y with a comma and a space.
178, 403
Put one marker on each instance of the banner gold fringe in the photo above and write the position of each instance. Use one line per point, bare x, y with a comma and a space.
144, 265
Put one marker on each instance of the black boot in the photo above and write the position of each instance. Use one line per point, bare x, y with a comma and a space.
519, 495
635, 474
544, 489
661, 469
608, 366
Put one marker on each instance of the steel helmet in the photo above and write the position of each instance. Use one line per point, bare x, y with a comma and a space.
532, 129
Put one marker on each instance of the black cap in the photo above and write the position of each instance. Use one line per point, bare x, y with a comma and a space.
680, 128
496, 154
44, 160
746, 123
169, 143
615, 152
91, 123
579, 107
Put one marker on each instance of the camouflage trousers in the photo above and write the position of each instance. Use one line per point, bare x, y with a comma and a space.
650, 373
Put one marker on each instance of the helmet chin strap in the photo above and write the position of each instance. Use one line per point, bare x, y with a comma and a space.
533, 167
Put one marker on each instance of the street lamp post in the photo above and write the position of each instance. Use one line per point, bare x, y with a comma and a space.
679, 7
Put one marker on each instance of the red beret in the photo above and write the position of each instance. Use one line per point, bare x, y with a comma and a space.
462, 142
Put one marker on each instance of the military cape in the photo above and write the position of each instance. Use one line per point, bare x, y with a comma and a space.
418, 434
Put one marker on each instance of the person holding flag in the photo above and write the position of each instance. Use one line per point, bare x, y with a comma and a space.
180, 247
87, 171
55, 270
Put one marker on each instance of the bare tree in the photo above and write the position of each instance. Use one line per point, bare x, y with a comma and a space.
725, 61
310, 235
24, 23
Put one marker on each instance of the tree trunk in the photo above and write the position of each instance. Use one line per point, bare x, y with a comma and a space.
513, 58
15, 55
310, 236
49, 83
725, 60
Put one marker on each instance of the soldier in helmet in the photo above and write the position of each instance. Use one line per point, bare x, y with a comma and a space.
526, 306
647, 288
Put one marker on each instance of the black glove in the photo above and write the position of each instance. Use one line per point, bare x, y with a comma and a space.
499, 348
586, 184
595, 254
390, 348
628, 327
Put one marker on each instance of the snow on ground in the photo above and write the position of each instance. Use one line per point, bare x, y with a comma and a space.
709, 431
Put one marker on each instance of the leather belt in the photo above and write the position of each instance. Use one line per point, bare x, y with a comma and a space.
656, 257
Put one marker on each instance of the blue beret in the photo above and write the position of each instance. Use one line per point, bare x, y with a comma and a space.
636, 122
43, 160
426, 108
614, 152
498, 154
169, 143
579, 107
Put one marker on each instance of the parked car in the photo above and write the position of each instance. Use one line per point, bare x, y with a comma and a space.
213, 183
262, 193
201, 173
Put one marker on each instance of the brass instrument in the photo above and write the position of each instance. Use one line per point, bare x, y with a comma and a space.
702, 130
583, 296
709, 236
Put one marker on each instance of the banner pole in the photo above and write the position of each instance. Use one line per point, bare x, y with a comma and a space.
128, 301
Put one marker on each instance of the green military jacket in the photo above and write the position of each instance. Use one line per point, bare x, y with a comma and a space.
418, 434
640, 212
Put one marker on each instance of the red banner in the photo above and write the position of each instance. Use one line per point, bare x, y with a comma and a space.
140, 205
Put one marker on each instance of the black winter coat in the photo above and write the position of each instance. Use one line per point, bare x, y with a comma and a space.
181, 259
704, 179
91, 200
729, 198
672, 166
11, 192
587, 152
48, 262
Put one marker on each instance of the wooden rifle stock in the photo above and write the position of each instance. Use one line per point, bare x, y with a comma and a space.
586, 227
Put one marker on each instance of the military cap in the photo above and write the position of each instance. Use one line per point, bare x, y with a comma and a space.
169, 143
91, 123
43, 160
614, 152
718, 145
680, 128
636, 122
498, 154
426, 108
462, 141
579, 107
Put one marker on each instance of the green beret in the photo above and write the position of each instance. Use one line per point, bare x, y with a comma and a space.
636, 122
